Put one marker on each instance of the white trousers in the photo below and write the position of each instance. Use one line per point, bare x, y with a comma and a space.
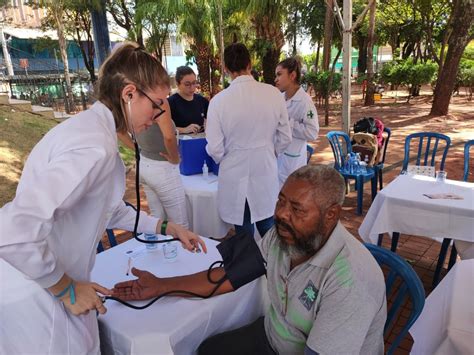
164, 190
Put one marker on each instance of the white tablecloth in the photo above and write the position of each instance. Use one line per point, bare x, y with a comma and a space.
446, 325
172, 324
201, 197
401, 207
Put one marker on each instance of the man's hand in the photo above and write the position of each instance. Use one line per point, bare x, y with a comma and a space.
143, 288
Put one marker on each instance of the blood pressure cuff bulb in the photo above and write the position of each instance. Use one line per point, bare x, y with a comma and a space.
242, 259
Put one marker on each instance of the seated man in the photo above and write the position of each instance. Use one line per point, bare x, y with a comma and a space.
327, 292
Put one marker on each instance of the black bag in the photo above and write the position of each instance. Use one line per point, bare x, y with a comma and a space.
366, 125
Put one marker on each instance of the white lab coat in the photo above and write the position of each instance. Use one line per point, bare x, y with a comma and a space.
247, 127
305, 127
71, 189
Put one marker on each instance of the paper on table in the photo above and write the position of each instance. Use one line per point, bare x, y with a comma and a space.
445, 196
421, 170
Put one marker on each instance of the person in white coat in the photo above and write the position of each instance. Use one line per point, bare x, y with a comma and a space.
247, 127
70, 191
302, 114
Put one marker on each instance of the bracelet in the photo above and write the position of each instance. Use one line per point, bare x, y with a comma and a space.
164, 224
72, 292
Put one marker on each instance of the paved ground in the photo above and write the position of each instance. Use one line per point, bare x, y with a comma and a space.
403, 119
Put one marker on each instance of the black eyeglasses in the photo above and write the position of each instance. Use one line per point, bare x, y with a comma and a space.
155, 104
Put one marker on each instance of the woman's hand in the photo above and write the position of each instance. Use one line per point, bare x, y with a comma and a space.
86, 298
192, 128
143, 288
189, 240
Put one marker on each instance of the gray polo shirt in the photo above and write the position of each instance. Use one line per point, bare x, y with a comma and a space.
334, 303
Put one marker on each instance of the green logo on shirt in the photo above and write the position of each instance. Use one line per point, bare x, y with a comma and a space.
310, 114
309, 295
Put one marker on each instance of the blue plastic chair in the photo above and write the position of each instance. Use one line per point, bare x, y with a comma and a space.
447, 241
309, 153
341, 146
428, 145
112, 241
467, 148
379, 166
427, 148
111, 235
410, 286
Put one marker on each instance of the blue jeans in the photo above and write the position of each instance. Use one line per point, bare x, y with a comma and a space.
263, 226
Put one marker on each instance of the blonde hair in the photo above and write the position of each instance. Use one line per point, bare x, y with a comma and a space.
128, 64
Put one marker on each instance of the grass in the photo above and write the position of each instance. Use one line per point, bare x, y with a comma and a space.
19, 133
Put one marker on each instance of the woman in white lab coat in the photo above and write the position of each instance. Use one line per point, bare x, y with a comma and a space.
247, 126
302, 114
70, 191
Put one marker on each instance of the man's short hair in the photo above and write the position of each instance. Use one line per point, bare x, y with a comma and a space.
182, 71
329, 187
236, 57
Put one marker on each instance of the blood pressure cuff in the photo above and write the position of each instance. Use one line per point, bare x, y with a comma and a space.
243, 261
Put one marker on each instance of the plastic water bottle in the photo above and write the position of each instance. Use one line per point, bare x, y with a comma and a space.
347, 164
205, 171
366, 159
357, 164
151, 246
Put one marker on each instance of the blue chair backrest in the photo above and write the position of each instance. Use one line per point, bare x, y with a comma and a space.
409, 286
467, 147
309, 152
341, 146
111, 234
428, 145
110, 237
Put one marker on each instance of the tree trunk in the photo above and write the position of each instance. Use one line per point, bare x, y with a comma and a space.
269, 31
369, 97
295, 29
69, 99
316, 64
202, 62
462, 19
328, 27
83, 24
362, 58
215, 74
328, 93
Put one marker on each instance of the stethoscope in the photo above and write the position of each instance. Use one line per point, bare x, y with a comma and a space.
217, 283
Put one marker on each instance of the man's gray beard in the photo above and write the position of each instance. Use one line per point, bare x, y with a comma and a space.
310, 247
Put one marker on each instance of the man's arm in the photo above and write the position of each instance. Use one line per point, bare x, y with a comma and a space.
243, 263
149, 286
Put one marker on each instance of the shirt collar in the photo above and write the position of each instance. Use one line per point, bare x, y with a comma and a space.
298, 96
327, 254
242, 79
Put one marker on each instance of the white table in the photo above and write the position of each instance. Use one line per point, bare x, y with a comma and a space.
172, 324
401, 207
201, 203
446, 325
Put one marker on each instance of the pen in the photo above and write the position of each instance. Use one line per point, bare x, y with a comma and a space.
129, 265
